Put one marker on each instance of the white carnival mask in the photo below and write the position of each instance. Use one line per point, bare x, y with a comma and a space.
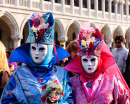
38, 52
89, 63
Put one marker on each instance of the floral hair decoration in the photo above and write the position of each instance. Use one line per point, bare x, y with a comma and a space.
88, 40
41, 28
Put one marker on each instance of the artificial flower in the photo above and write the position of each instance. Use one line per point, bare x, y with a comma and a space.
52, 91
83, 43
34, 29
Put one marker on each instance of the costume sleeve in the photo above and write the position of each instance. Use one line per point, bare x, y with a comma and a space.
68, 97
120, 93
8, 96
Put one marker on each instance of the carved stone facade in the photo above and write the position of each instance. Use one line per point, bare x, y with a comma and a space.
110, 16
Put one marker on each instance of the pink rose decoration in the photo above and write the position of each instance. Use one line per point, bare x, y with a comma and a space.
53, 99
56, 82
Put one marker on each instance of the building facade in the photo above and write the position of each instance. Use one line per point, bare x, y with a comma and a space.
111, 17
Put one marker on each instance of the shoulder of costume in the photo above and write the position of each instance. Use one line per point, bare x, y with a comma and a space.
21, 69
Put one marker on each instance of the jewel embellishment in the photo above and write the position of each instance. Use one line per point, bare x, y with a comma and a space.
89, 85
40, 80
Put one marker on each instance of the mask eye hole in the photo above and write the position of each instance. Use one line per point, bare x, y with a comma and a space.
85, 60
33, 48
41, 49
93, 59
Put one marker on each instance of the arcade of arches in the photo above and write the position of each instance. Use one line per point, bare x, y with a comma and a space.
61, 34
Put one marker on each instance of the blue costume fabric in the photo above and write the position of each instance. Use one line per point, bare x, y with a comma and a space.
23, 86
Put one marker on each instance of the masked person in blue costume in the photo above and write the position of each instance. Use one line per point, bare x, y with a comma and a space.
27, 84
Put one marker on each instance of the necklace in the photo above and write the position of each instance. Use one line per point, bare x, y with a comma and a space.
40, 79
89, 84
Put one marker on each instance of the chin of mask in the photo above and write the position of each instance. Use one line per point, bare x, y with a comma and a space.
89, 63
38, 52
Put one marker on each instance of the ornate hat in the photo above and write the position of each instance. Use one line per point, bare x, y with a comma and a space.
41, 28
88, 40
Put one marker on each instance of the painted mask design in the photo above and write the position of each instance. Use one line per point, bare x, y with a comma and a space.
89, 63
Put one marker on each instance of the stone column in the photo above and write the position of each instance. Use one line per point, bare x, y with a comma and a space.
62, 41
121, 10
17, 40
80, 7
103, 8
116, 6
96, 8
62, 44
127, 11
16, 2
3, 1
109, 8
41, 4
89, 7
63, 6
72, 6
30, 3
52, 5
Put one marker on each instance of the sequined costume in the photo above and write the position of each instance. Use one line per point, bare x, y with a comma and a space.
106, 85
24, 86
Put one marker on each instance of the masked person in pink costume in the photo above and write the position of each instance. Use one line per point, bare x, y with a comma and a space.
99, 80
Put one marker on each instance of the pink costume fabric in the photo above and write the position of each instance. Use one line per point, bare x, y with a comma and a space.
108, 86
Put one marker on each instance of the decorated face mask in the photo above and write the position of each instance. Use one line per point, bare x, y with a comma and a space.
89, 63
38, 52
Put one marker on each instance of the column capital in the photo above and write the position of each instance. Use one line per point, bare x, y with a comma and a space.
126, 2
122, 1
116, 1
17, 37
62, 39
109, 0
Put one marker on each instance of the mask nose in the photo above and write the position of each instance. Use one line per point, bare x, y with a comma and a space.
89, 63
37, 52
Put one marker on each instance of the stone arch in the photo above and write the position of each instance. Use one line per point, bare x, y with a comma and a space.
118, 32
107, 34
12, 23
2, 13
24, 31
92, 25
60, 30
12, 31
76, 27
24, 22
